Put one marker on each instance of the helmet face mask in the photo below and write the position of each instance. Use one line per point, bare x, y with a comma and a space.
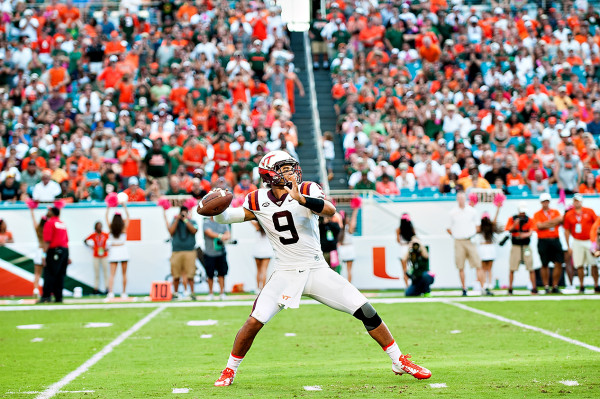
270, 169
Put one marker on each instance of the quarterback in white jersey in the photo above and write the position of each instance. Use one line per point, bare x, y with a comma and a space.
288, 211
292, 229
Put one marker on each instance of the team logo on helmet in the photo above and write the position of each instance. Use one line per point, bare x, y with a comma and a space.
270, 165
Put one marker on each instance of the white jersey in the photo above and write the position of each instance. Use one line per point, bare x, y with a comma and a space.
292, 229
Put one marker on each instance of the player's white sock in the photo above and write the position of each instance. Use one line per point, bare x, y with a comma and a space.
393, 351
234, 362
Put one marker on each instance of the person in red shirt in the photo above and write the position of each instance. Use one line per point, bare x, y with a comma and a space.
56, 244
578, 224
546, 222
521, 229
134, 192
97, 241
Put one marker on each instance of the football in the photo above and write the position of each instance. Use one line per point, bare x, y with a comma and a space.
214, 203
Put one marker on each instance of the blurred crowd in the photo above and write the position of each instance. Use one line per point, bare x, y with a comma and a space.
174, 98
437, 96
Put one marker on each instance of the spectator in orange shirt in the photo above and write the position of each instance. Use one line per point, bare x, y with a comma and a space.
222, 150
223, 172
114, 47
69, 14
525, 160
186, 11
126, 91
588, 186
111, 75
34, 155
79, 160
514, 178
244, 187
372, 34
178, 96
58, 78
129, 158
133, 191
429, 51
194, 155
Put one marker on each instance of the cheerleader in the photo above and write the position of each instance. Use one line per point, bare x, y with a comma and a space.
346, 241
262, 252
117, 250
404, 233
487, 248
39, 259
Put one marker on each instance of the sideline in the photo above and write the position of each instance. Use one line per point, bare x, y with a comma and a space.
56, 387
526, 326
229, 303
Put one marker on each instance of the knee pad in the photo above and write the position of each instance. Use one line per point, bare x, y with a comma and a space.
368, 315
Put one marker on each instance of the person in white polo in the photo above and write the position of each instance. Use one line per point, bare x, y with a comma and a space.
47, 190
464, 225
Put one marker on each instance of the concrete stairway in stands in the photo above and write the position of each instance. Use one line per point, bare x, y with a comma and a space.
307, 148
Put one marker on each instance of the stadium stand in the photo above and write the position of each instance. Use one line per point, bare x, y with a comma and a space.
455, 85
166, 92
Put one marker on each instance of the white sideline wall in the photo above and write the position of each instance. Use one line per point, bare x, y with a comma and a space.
150, 256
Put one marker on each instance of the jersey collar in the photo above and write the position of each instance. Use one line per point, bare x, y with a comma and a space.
276, 201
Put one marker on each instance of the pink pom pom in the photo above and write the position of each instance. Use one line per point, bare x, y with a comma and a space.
191, 203
111, 200
31, 204
60, 204
355, 202
473, 199
164, 203
562, 197
499, 199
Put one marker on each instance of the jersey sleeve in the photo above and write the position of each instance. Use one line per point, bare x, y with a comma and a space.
251, 201
311, 189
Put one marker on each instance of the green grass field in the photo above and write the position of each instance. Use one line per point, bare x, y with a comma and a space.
475, 356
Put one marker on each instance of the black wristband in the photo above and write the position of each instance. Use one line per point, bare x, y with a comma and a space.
314, 204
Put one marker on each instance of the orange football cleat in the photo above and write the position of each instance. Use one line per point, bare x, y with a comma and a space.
405, 366
226, 378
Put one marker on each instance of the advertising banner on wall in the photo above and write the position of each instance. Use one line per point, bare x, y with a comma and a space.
377, 265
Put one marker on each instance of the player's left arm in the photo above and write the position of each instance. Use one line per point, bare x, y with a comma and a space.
316, 201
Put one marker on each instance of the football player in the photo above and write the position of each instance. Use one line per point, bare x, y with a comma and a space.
288, 210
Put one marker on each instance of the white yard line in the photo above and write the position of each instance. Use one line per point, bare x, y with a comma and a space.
526, 326
36, 392
55, 388
226, 304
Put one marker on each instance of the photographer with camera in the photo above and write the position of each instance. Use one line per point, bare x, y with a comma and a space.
183, 259
215, 256
417, 260
521, 228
